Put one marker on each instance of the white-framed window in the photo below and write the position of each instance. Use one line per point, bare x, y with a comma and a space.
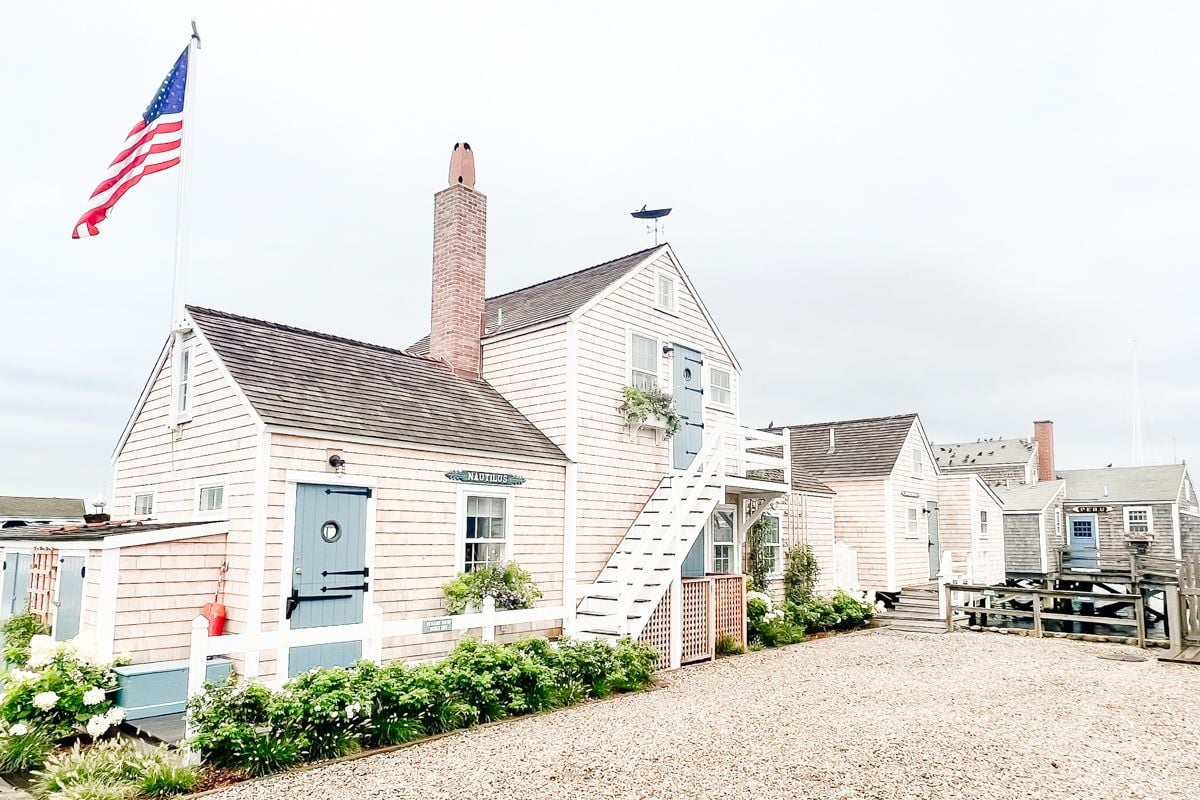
643, 361
983, 522
211, 496
1058, 524
721, 530
143, 503
918, 461
1139, 521
181, 409
914, 516
770, 553
1187, 490
486, 529
664, 292
720, 387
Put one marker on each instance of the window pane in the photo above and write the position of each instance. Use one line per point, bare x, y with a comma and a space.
143, 504
666, 292
771, 535
719, 386
643, 353
722, 526
722, 558
212, 498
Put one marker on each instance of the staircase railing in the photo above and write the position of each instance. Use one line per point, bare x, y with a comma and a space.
686, 490
761, 450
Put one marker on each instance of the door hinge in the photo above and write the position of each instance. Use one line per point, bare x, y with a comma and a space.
699, 361
693, 389
365, 572
364, 492
694, 424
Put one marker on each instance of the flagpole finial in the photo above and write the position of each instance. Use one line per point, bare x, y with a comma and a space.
195, 33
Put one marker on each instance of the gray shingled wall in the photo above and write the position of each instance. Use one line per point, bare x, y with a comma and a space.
1189, 534
1022, 543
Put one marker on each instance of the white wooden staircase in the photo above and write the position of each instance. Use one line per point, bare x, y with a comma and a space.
648, 559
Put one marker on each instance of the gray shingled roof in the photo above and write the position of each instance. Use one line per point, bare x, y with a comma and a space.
302, 379
552, 299
983, 454
42, 507
90, 532
806, 482
862, 447
1028, 496
1158, 484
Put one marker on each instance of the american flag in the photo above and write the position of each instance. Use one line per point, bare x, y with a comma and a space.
154, 144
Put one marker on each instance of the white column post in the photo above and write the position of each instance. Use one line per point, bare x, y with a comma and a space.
373, 646
197, 672
489, 622
676, 622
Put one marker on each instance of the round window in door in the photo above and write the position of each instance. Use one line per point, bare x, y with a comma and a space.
331, 532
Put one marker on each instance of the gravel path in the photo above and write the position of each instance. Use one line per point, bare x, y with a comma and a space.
873, 715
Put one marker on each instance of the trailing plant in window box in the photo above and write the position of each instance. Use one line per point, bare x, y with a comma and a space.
508, 584
639, 405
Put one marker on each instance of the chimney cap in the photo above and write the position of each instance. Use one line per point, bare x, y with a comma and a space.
1043, 422
462, 165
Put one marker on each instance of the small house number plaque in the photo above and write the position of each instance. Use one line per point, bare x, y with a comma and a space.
438, 625
490, 478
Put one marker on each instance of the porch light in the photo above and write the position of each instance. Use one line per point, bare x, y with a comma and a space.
338, 463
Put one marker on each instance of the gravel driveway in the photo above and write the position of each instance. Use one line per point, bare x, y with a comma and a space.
878, 714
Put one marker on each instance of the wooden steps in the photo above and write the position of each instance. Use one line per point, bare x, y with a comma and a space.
1190, 654
918, 611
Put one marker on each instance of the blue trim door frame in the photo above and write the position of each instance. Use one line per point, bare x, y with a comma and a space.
1083, 539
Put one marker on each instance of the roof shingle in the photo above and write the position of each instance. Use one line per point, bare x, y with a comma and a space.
989, 453
42, 507
862, 447
303, 379
552, 299
1157, 484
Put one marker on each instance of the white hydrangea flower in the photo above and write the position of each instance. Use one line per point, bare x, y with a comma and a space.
97, 726
45, 700
766, 598
93, 696
41, 650
20, 729
22, 676
115, 715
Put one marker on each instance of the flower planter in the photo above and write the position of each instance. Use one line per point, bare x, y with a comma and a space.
654, 422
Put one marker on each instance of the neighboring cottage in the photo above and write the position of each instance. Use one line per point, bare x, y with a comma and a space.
1033, 528
1149, 509
16, 512
310, 477
906, 522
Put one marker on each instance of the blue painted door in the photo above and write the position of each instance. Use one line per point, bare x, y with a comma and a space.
1081, 531
689, 402
329, 570
14, 597
693, 562
70, 597
935, 539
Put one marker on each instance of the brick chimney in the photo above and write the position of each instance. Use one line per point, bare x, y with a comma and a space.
1043, 434
459, 268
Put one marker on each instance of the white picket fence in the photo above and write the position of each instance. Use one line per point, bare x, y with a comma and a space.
371, 631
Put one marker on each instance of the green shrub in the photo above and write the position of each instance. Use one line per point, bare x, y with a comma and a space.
841, 611
634, 665
97, 790
768, 626
163, 773
401, 703
727, 645
225, 716
18, 630
497, 680
508, 584
800, 573
260, 753
327, 708
23, 747
590, 665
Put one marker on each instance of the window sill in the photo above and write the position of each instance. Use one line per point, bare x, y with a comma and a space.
665, 310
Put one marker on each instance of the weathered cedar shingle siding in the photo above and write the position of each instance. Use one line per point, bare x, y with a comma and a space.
1022, 543
550, 300
312, 381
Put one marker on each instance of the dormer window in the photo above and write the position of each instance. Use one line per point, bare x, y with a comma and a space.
664, 298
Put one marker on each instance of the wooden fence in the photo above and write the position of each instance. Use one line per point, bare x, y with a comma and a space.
989, 601
1183, 613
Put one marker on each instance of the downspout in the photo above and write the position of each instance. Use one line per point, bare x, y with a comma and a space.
889, 538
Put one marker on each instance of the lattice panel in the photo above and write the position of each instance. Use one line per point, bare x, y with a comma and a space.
42, 572
697, 634
658, 631
730, 606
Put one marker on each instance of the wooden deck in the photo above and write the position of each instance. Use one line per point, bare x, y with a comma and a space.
1188, 655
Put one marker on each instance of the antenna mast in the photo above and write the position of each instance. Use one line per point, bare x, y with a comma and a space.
1137, 411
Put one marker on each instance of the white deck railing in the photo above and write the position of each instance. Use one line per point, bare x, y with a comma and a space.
757, 450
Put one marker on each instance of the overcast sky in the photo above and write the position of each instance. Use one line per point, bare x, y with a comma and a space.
966, 210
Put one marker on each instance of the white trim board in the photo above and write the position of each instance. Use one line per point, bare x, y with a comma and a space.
116, 541
339, 438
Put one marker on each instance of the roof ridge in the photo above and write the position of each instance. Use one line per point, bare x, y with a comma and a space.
845, 422
317, 334
576, 272
1106, 469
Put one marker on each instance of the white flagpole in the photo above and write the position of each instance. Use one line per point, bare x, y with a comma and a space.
182, 218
